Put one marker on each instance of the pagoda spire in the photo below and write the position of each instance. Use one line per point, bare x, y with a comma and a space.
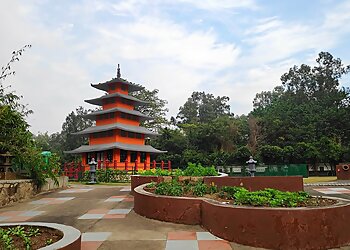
118, 72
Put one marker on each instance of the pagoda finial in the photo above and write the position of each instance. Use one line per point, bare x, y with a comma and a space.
118, 72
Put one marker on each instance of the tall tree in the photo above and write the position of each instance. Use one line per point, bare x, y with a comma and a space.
308, 106
156, 108
74, 122
202, 107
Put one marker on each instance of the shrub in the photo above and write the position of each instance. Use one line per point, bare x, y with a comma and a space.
172, 188
108, 175
198, 170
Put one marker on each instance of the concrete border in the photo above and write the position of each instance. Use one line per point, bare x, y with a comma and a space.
272, 228
71, 236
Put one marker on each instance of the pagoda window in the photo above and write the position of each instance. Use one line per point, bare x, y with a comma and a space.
123, 155
138, 136
124, 87
113, 86
131, 135
105, 116
142, 157
128, 116
127, 102
109, 100
110, 155
123, 133
133, 156
103, 134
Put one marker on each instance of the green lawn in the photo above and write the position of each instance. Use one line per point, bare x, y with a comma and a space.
319, 179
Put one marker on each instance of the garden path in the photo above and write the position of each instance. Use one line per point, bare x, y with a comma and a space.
105, 217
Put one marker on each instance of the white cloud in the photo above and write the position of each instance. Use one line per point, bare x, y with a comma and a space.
155, 49
221, 4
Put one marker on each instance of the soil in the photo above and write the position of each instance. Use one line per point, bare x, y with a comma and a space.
39, 241
310, 202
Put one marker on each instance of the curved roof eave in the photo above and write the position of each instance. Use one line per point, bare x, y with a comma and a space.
104, 86
98, 100
124, 146
121, 126
123, 110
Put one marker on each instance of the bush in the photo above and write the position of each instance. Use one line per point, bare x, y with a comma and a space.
108, 176
173, 188
198, 170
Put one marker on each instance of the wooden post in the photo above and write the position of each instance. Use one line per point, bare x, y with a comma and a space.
136, 165
126, 165
154, 164
169, 165
145, 165
162, 164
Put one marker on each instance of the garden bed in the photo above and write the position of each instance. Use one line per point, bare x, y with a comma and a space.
28, 237
237, 195
35, 235
266, 227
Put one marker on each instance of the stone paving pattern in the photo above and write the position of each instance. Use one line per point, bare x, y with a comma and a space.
105, 217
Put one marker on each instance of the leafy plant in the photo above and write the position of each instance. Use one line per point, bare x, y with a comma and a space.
48, 242
172, 188
200, 189
198, 170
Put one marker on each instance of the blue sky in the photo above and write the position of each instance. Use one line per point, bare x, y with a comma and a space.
235, 48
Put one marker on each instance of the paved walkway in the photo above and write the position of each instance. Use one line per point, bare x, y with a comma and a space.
105, 217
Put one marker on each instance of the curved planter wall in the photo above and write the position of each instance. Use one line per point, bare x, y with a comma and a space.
71, 236
283, 183
272, 228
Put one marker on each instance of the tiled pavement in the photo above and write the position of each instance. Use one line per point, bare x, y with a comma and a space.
17, 216
195, 241
105, 217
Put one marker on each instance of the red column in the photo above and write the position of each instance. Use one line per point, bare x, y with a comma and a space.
145, 165
169, 165
115, 164
126, 165
154, 164
162, 164
136, 165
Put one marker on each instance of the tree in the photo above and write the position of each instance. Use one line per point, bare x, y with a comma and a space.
202, 107
15, 137
308, 106
155, 108
74, 122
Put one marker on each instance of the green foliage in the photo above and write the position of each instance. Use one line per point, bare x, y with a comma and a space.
200, 189
268, 197
240, 196
158, 172
198, 170
7, 235
306, 119
229, 192
151, 185
155, 108
202, 107
108, 176
172, 188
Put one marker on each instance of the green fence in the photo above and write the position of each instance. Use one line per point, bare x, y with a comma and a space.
271, 170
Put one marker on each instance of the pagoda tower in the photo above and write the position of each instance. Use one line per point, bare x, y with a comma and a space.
117, 140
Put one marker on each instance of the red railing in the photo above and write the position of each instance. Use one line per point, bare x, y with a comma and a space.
75, 170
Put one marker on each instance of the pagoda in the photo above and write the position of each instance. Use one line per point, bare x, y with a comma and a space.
117, 140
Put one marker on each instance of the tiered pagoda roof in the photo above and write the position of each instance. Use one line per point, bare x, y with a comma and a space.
119, 125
